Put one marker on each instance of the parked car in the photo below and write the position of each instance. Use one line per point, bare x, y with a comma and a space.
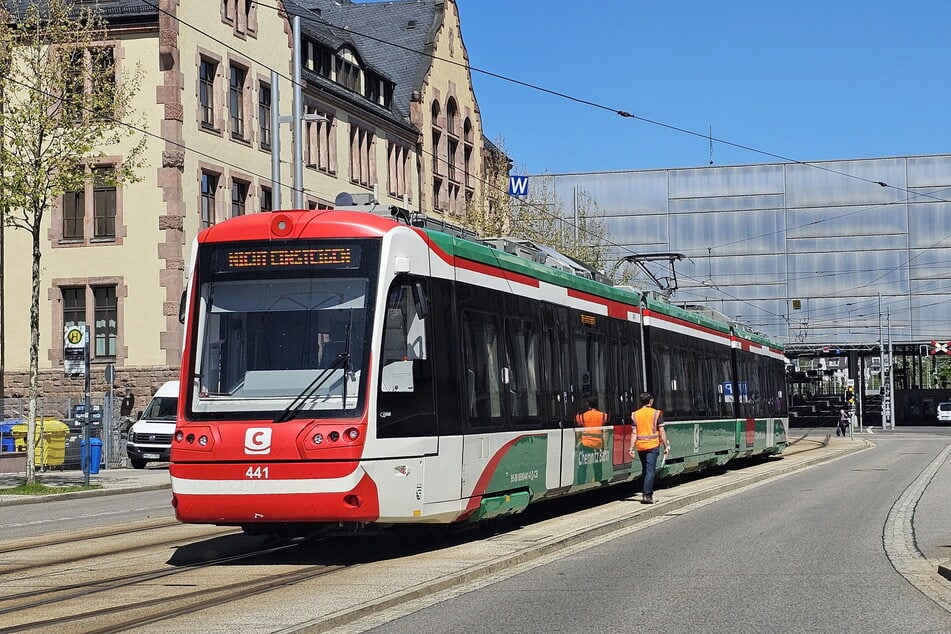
944, 412
150, 437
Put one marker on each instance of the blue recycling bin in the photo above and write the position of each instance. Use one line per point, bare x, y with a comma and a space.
6, 438
95, 454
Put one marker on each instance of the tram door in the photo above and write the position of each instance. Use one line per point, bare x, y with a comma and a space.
561, 400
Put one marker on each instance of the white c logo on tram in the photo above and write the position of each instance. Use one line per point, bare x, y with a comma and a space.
257, 440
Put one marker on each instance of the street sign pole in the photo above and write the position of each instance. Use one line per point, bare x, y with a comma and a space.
87, 450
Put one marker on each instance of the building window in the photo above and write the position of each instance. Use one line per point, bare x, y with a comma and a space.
437, 164
318, 59
267, 199
105, 321
74, 306
467, 152
209, 185
361, 157
206, 92
437, 137
236, 101
437, 193
74, 212
467, 165
398, 170
377, 89
98, 194
90, 88
239, 198
451, 146
320, 148
348, 74
453, 198
104, 203
451, 115
264, 115
241, 14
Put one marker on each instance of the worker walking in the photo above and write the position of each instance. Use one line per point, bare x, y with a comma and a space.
649, 436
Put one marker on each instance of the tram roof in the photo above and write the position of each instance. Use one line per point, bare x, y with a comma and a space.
492, 256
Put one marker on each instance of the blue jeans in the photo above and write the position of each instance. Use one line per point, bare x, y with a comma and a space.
648, 466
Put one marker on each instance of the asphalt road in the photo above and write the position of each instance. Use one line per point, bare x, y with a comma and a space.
807, 552
34, 520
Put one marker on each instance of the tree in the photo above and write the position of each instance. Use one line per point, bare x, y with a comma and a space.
63, 106
540, 217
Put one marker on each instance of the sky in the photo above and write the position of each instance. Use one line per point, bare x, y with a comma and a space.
792, 81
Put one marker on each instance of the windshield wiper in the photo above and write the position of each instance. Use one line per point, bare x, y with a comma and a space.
293, 409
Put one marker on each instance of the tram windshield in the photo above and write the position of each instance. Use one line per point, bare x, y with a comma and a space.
281, 328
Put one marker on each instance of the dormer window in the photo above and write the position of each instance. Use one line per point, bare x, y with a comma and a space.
348, 74
377, 89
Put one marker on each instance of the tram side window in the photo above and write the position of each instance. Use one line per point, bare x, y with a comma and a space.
722, 374
480, 344
589, 365
404, 334
521, 372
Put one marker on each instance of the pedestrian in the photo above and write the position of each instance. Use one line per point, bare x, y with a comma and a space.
649, 436
591, 441
843, 425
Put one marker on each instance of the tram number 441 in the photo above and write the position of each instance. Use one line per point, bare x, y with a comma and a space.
256, 473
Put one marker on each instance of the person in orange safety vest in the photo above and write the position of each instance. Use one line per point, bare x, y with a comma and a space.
649, 436
591, 441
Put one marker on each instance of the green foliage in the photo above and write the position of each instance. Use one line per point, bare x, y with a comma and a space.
36, 488
63, 107
578, 232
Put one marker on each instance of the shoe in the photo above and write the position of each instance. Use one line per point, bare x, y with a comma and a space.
648, 500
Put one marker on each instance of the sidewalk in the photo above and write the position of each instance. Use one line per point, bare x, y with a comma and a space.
110, 481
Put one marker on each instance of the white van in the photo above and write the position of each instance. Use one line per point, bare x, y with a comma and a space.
150, 438
944, 412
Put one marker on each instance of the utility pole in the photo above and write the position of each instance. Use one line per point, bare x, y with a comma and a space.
297, 123
881, 363
891, 375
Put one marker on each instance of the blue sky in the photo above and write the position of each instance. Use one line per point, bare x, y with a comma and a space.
807, 81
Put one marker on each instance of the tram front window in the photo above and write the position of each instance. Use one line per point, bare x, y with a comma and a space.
263, 342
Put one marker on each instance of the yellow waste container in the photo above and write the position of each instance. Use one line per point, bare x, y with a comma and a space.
50, 441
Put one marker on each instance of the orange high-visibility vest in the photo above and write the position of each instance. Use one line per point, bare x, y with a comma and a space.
592, 418
648, 436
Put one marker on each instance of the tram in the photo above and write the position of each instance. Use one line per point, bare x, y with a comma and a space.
343, 368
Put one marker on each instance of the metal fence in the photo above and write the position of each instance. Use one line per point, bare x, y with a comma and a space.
105, 424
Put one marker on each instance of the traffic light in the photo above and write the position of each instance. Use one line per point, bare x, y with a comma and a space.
924, 350
850, 396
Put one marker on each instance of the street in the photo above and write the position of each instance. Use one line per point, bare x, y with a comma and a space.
801, 553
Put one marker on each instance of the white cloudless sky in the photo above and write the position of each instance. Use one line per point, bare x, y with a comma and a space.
808, 80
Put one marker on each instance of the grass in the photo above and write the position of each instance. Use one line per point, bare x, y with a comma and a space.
38, 488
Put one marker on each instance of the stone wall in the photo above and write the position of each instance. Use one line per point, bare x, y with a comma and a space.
56, 388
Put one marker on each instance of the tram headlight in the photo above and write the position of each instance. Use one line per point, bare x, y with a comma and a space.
179, 435
190, 438
318, 438
352, 434
334, 436
203, 440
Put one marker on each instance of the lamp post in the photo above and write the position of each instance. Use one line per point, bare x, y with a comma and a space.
296, 119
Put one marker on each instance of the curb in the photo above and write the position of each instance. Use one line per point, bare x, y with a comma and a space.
14, 500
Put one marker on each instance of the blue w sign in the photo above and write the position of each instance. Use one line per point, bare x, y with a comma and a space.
518, 185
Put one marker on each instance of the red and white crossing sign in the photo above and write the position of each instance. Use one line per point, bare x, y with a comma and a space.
938, 348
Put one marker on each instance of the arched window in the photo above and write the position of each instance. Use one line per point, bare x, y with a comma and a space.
452, 114
437, 138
